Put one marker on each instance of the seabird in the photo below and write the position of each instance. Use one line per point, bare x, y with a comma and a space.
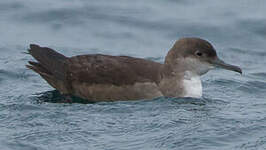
97, 77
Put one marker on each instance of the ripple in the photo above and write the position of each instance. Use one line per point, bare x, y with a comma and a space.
253, 144
260, 53
254, 86
18, 75
255, 25
54, 96
259, 76
19, 145
11, 6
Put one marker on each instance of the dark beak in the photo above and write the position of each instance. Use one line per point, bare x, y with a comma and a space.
221, 64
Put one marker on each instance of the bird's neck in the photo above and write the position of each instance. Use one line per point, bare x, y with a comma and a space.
180, 83
192, 85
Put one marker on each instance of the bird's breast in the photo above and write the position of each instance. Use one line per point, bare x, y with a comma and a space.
192, 87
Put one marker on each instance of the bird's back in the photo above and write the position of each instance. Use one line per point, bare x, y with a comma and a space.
116, 70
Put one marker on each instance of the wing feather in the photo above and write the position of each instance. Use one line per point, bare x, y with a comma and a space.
116, 70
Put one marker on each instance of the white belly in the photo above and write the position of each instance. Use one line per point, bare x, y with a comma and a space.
192, 86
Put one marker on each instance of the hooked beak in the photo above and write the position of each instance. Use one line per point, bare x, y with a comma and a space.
221, 64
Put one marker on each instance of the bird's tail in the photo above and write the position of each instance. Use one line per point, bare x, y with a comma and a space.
49, 62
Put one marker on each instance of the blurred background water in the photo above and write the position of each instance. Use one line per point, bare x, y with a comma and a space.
231, 115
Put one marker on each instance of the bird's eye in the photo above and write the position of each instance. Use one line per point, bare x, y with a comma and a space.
198, 53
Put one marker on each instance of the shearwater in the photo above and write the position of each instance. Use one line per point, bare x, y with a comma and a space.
98, 77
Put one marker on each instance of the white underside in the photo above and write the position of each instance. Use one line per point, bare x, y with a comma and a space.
192, 86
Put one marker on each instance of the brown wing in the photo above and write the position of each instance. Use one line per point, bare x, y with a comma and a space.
115, 70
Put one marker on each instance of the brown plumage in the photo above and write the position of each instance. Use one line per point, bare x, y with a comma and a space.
99, 77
